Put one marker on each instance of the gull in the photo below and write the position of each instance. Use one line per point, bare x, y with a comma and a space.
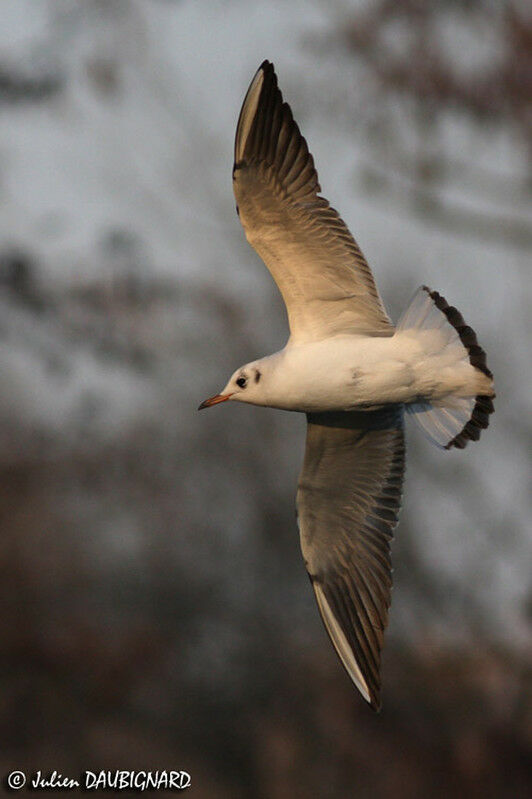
351, 372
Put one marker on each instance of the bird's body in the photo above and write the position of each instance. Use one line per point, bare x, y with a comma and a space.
351, 371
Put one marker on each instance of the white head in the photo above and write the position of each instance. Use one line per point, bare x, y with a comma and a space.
247, 384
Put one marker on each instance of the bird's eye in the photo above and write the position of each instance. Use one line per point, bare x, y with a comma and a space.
241, 382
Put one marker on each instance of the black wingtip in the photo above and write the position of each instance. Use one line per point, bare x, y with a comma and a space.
376, 704
269, 84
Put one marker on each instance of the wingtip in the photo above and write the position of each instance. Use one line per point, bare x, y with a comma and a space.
369, 689
375, 703
267, 66
263, 77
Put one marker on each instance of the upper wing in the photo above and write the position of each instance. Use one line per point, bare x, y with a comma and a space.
323, 277
348, 500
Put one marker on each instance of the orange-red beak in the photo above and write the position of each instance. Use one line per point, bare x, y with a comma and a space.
214, 401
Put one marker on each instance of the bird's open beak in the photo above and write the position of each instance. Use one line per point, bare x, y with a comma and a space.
214, 401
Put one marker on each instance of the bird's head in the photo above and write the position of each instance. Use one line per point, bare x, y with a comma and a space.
244, 385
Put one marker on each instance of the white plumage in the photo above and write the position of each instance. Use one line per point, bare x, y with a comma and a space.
350, 371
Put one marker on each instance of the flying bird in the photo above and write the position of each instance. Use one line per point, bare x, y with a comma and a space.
351, 372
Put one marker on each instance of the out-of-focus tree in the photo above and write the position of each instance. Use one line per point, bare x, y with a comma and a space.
438, 64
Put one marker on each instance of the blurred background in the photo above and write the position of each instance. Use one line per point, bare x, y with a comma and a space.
156, 612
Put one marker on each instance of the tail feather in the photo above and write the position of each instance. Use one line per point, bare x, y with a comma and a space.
479, 421
468, 337
457, 420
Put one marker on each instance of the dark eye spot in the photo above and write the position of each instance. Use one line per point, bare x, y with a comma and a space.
257, 375
241, 381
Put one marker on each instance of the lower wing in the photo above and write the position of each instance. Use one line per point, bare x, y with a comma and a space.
348, 501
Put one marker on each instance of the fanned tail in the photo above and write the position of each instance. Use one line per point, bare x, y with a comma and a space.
457, 419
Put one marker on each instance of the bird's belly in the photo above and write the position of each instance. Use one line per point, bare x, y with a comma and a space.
387, 382
364, 388
348, 377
